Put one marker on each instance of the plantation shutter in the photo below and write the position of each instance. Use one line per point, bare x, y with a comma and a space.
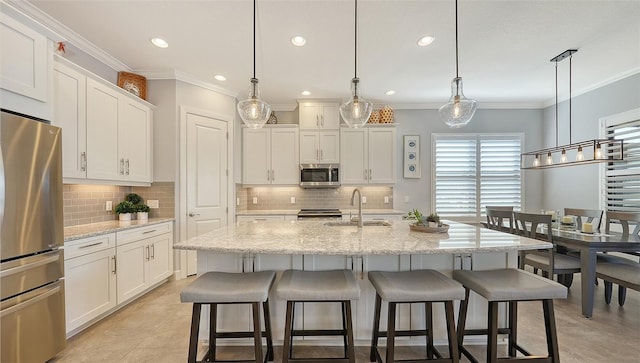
622, 179
472, 171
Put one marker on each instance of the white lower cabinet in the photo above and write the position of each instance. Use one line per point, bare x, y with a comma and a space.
105, 271
90, 279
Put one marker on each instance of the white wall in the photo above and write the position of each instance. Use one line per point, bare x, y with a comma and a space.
578, 186
426, 122
162, 93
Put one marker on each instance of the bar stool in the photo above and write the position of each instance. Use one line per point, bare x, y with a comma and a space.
408, 287
511, 286
318, 286
215, 288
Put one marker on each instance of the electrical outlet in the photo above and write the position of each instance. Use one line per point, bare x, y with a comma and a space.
237, 201
386, 199
406, 199
293, 200
255, 200
108, 206
153, 203
364, 199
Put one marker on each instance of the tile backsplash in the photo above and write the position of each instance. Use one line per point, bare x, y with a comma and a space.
279, 198
85, 204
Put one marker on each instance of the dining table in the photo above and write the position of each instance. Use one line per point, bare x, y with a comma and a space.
588, 245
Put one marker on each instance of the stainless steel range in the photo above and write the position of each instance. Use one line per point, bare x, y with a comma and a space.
320, 213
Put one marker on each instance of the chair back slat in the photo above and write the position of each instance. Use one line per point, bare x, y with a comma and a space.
527, 225
594, 216
496, 220
626, 219
499, 207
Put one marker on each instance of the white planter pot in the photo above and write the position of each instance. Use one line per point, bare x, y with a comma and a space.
142, 216
124, 216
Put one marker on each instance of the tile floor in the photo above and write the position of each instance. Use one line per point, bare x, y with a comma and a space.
155, 328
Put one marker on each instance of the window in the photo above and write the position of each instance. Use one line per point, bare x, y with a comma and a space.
472, 171
622, 179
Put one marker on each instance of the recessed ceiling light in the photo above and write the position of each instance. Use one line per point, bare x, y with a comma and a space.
298, 41
305, 93
390, 92
426, 40
220, 77
160, 43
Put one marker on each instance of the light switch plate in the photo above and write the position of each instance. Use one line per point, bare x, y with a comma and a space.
364, 199
293, 200
255, 200
153, 203
386, 199
108, 206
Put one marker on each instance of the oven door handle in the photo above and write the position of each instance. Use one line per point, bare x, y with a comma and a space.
34, 261
47, 291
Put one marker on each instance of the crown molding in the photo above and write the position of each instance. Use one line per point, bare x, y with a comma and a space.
187, 78
284, 106
481, 105
66, 34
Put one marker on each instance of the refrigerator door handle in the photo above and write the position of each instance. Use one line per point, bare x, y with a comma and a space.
39, 260
50, 290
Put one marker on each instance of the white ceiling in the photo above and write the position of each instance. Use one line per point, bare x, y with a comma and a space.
505, 46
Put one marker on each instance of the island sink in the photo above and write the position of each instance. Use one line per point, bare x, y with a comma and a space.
355, 223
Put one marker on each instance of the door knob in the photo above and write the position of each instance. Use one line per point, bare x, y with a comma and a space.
193, 214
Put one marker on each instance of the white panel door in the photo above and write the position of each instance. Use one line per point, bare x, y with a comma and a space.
353, 161
256, 155
285, 161
382, 151
131, 269
102, 132
329, 147
309, 147
134, 141
90, 287
207, 177
69, 113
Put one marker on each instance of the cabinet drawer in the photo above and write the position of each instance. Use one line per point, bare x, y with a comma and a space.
142, 232
85, 246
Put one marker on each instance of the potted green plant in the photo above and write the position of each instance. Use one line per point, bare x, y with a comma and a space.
133, 198
142, 211
434, 220
124, 210
420, 220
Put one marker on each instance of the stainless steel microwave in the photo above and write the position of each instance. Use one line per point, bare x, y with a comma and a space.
319, 175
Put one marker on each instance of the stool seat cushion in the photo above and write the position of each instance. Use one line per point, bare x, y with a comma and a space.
415, 286
510, 285
334, 285
221, 287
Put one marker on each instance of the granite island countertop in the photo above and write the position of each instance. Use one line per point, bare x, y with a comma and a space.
315, 237
293, 212
95, 229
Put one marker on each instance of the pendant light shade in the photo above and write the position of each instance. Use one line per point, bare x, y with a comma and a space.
356, 111
254, 111
459, 110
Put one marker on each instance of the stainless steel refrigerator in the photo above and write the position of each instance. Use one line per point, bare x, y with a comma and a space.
31, 239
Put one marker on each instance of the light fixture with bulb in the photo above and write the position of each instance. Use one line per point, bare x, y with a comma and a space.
356, 111
254, 111
584, 152
459, 110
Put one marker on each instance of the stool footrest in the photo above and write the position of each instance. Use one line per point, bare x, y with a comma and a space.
319, 360
438, 358
405, 333
313, 333
237, 334
485, 331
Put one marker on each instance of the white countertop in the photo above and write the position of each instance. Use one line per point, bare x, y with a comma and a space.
314, 237
96, 229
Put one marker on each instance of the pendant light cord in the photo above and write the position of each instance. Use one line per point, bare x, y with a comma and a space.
570, 58
254, 38
556, 103
355, 40
457, 39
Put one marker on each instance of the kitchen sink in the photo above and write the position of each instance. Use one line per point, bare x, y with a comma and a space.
355, 223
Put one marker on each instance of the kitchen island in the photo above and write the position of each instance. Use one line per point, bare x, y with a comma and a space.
315, 245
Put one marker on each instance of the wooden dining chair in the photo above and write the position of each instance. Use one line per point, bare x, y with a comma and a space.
500, 207
496, 219
608, 265
549, 261
593, 216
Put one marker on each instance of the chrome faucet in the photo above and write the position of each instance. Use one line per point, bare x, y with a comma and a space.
353, 202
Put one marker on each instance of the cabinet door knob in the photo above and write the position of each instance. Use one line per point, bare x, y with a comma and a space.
83, 161
121, 166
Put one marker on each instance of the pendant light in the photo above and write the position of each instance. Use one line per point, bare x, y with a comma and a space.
586, 152
459, 110
356, 111
254, 111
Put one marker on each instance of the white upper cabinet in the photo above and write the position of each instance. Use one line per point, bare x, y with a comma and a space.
270, 156
319, 147
368, 155
69, 113
321, 116
106, 132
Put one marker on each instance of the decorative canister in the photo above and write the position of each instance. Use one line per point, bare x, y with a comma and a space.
374, 118
386, 115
